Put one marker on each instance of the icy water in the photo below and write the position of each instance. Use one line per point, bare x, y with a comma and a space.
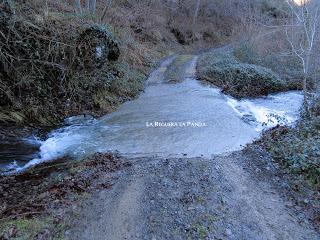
168, 119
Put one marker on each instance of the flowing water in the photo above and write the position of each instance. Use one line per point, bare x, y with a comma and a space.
168, 119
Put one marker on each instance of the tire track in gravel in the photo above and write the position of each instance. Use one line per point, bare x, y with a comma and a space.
192, 198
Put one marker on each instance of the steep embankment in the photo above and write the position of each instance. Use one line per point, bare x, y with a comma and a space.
55, 63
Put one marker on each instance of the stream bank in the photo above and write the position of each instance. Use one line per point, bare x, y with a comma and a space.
192, 177
171, 118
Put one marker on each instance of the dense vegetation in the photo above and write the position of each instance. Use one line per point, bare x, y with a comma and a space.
236, 78
298, 148
51, 68
288, 68
45, 77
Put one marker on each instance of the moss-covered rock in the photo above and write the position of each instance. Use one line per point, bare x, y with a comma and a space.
237, 79
97, 45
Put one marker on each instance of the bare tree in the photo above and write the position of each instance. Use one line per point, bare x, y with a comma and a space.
78, 6
88, 4
46, 11
92, 7
303, 32
104, 12
195, 15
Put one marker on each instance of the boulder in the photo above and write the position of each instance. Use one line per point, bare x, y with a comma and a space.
96, 45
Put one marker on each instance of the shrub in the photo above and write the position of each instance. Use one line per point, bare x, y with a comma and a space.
237, 79
55, 66
288, 68
297, 149
246, 54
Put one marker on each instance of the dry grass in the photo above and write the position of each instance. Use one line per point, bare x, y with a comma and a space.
43, 78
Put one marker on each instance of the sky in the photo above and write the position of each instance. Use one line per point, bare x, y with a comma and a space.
300, 2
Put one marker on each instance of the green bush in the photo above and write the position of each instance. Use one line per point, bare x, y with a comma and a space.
297, 149
288, 68
238, 79
246, 54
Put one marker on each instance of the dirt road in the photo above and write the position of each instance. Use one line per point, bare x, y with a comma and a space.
192, 198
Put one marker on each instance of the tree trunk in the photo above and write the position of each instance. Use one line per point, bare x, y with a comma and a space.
88, 5
78, 6
46, 11
304, 85
195, 15
93, 6
305, 76
108, 4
